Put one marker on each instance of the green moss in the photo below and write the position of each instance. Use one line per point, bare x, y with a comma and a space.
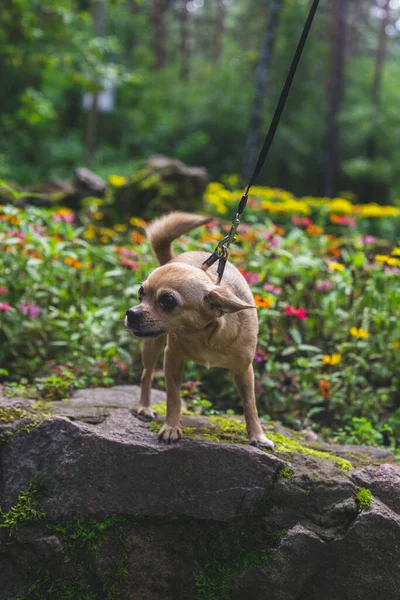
287, 445
9, 414
285, 472
161, 409
232, 549
23, 512
233, 431
45, 587
363, 498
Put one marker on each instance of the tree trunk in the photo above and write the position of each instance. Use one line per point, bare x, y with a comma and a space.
380, 57
184, 41
99, 21
375, 189
335, 93
218, 31
254, 134
159, 34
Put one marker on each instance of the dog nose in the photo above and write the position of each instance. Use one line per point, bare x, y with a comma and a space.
133, 316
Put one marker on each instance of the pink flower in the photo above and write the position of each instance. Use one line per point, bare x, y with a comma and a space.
68, 217
367, 239
30, 310
269, 287
392, 271
260, 355
254, 277
267, 235
39, 229
300, 312
125, 251
212, 224
130, 263
301, 221
338, 220
5, 306
16, 233
324, 286
3, 290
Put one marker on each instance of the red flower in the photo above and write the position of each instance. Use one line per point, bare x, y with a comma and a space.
5, 306
130, 263
300, 312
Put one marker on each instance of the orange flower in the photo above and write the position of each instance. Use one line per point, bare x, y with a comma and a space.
279, 230
4, 218
56, 238
137, 238
324, 388
333, 251
207, 237
249, 236
262, 302
314, 230
31, 253
73, 262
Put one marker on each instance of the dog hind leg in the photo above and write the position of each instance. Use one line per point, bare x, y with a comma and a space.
245, 385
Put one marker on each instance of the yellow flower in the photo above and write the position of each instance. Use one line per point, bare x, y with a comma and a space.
331, 360
359, 333
98, 215
336, 266
117, 180
396, 344
376, 210
120, 227
104, 239
393, 262
137, 222
388, 260
340, 205
396, 251
89, 234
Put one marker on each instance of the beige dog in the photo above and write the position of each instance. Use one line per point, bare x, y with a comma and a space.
213, 325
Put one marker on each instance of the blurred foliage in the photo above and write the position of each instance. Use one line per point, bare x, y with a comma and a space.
51, 56
325, 277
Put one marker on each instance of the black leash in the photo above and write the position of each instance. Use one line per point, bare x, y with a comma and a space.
221, 252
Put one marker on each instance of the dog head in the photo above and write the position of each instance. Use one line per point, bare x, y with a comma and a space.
178, 297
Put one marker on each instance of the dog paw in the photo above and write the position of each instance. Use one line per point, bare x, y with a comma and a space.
146, 413
261, 441
169, 434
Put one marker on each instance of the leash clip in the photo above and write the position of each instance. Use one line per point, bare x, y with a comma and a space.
221, 252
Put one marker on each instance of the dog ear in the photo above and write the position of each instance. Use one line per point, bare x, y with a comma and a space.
222, 300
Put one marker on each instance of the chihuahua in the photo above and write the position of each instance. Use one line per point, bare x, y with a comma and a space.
183, 309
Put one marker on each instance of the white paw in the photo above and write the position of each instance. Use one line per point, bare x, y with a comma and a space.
169, 434
261, 441
145, 412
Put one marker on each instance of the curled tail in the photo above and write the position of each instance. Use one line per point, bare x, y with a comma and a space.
164, 230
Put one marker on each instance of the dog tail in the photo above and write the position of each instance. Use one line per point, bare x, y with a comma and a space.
164, 230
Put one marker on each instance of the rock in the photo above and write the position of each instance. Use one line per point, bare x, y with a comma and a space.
88, 183
162, 184
95, 507
48, 194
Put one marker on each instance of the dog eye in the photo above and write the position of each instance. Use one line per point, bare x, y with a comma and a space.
167, 302
141, 292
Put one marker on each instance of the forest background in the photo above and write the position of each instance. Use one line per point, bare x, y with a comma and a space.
198, 80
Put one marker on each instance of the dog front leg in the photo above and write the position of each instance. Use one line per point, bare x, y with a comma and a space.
173, 369
150, 351
245, 386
